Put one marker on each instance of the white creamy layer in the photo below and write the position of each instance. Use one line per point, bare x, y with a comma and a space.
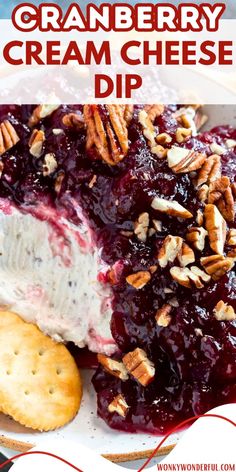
49, 276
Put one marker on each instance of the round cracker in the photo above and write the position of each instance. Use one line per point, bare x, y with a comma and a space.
40, 385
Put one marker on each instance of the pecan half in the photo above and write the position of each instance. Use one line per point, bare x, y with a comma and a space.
196, 236
139, 366
189, 277
139, 279
8, 136
170, 207
40, 112
163, 317
224, 312
109, 135
231, 240
73, 120
220, 193
182, 160
217, 265
36, 141
216, 227
141, 227
210, 171
50, 164
115, 368
118, 405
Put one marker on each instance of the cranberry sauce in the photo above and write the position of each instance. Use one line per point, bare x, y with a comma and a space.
195, 355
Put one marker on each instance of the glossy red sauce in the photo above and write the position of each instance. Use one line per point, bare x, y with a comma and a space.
193, 373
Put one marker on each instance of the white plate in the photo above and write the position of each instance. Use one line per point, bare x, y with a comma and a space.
87, 428
90, 430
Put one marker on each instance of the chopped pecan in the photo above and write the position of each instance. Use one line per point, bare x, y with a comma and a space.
163, 317
36, 141
171, 247
188, 277
231, 240
108, 137
139, 366
154, 111
139, 279
159, 151
58, 131
184, 160
8, 136
173, 302
115, 368
73, 120
58, 182
157, 225
50, 164
164, 138
92, 181
220, 193
199, 218
230, 143
149, 131
217, 149
141, 226
202, 193
40, 112
196, 236
118, 405
210, 171
186, 255
217, 265
198, 332
153, 269
182, 133
170, 207
185, 117
216, 227
224, 312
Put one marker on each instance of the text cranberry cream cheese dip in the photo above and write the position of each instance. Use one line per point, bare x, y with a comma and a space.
118, 17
